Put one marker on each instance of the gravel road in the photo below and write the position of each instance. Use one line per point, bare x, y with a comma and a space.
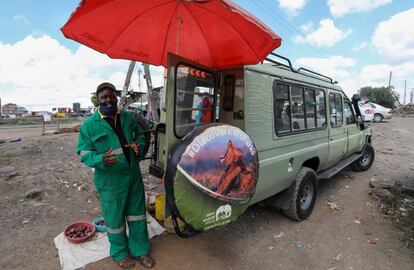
44, 188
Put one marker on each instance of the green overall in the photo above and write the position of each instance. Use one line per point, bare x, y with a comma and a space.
120, 186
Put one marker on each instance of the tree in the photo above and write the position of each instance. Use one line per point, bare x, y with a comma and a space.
384, 96
94, 101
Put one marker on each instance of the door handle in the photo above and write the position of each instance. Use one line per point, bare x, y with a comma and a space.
331, 139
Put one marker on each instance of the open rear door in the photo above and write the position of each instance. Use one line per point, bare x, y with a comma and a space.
211, 169
190, 97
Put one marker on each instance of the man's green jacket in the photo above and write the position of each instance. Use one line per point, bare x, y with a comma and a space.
95, 138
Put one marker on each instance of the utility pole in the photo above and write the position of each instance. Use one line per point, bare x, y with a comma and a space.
389, 80
405, 92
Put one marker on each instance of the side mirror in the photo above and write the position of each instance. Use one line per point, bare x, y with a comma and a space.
356, 97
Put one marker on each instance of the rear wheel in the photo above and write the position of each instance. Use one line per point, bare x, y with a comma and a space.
366, 160
378, 118
303, 198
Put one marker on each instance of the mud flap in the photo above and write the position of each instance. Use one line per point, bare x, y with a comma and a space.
281, 200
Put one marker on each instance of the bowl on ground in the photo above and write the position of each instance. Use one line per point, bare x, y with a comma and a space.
79, 232
99, 224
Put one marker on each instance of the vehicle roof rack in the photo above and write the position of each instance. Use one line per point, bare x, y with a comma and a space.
329, 79
281, 64
301, 70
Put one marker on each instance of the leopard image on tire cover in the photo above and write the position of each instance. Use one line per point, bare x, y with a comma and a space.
215, 176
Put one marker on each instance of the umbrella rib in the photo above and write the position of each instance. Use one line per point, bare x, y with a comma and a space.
166, 38
201, 29
133, 20
232, 26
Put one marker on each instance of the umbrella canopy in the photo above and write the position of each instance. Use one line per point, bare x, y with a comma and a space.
214, 33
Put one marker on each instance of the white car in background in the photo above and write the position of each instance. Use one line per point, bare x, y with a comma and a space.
380, 112
367, 113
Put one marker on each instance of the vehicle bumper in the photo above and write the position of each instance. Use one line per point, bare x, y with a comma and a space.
387, 116
367, 117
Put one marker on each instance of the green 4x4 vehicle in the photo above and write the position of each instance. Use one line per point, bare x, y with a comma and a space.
268, 132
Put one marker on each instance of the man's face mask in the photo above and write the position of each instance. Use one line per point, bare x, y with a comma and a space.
108, 102
109, 109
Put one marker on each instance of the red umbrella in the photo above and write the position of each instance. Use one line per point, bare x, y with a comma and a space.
214, 33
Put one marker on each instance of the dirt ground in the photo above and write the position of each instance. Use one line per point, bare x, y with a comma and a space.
44, 188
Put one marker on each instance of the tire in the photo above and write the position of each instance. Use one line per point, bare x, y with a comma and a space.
378, 118
304, 196
145, 125
365, 161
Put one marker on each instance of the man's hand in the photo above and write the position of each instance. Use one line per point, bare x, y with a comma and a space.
134, 147
110, 158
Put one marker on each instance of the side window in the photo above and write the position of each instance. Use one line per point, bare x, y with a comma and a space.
349, 113
335, 107
281, 107
320, 108
298, 108
310, 108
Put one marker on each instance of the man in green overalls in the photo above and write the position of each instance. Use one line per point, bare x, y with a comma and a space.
110, 142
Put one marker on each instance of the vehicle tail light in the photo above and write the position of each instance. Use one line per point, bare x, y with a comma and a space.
368, 111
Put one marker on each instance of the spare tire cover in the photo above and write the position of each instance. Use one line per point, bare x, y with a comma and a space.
211, 176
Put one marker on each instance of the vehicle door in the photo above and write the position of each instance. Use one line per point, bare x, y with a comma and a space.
190, 96
338, 139
353, 130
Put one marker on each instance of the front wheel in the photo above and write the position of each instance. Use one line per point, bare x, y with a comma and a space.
365, 161
378, 118
303, 198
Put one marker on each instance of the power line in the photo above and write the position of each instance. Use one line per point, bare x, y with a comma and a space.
289, 27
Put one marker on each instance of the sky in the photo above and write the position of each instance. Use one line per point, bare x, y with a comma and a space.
356, 42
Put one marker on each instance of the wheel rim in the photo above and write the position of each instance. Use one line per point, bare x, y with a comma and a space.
306, 196
366, 158
377, 118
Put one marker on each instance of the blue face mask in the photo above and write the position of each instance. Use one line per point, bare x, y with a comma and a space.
109, 109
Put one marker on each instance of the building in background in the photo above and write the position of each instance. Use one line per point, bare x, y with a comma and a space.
9, 108
20, 111
76, 107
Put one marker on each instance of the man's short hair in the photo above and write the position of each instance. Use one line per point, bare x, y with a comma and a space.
105, 85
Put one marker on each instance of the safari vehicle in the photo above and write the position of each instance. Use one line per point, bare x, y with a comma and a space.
271, 132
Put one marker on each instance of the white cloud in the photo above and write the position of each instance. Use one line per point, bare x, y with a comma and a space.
339, 8
326, 35
19, 18
379, 73
307, 27
394, 38
360, 46
40, 73
292, 6
336, 67
351, 79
